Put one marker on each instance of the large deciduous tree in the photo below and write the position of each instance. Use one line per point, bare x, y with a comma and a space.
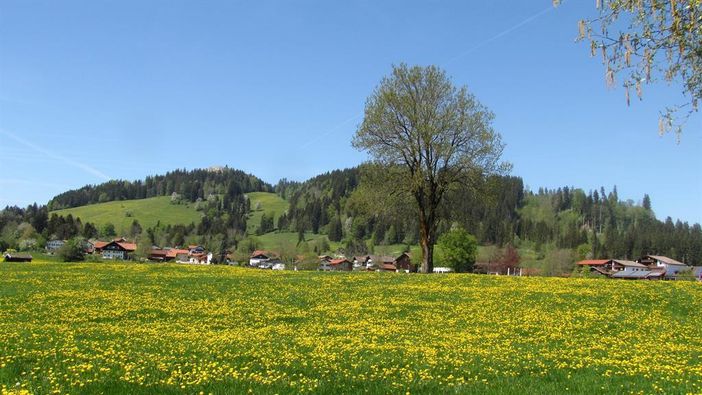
427, 136
644, 40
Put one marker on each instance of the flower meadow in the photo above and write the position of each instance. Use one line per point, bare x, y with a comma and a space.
153, 328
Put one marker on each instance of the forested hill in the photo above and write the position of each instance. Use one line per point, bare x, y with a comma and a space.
341, 205
498, 210
188, 185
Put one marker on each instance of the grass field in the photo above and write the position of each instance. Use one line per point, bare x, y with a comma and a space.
147, 211
270, 203
151, 328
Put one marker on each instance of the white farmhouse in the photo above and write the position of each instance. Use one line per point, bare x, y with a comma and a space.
671, 267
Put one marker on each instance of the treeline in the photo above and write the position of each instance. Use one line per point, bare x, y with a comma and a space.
190, 185
317, 201
497, 210
598, 222
333, 203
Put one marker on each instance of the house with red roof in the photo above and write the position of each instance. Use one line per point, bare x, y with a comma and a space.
340, 264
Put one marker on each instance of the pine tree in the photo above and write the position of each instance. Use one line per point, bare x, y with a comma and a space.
647, 202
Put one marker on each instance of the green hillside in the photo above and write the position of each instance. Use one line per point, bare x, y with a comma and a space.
147, 211
264, 202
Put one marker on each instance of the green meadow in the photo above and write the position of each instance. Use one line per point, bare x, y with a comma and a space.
170, 329
147, 211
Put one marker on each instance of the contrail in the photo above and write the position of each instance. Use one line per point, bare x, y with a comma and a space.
502, 33
52, 155
464, 53
330, 131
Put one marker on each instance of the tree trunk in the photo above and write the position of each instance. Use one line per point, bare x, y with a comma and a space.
427, 256
426, 241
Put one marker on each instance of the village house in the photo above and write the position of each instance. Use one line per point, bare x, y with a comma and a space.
54, 245
158, 255
597, 266
88, 246
629, 270
259, 256
404, 263
179, 255
384, 263
617, 268
360, 262
200, 258
670, 268
116, 249
340, 264
623, 269
324, 264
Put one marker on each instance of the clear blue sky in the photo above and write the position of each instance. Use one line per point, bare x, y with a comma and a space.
125, 89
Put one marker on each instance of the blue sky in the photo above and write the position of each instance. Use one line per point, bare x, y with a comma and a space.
125, 89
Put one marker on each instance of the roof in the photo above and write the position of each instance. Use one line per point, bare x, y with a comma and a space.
594, 262
666, 260
381, 259
127, 246
124, 245
173, 252
629, 263
338, 261
259, 253
639, 274
388, 266
18, 255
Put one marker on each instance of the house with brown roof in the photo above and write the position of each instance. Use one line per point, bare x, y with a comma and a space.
179, 255
668, 266
117, 249
158, 255
259, 256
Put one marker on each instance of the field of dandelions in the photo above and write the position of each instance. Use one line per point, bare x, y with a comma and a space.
152, 328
